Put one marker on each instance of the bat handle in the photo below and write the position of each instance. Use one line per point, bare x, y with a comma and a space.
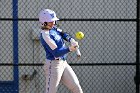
78, 52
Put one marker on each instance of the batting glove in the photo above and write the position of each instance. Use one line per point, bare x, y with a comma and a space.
74, 43
72, 48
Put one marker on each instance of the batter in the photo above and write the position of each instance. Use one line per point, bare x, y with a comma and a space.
56, 67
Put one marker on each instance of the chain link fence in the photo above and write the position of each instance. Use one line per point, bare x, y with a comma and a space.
109, 59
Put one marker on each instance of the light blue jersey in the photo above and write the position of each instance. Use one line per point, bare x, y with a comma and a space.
53, 43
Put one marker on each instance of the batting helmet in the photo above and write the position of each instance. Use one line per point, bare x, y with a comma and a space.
47, 15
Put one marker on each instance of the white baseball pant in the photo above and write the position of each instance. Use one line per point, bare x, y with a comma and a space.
59, 70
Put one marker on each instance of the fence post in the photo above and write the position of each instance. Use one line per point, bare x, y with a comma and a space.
137, 51
15, 43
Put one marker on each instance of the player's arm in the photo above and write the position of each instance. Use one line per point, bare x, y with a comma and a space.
68, 38
53, 48
64, 35
61, 51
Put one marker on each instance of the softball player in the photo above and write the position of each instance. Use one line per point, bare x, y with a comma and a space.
56, 68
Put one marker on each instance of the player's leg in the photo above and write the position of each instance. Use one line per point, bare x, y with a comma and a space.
70, 79
53, 73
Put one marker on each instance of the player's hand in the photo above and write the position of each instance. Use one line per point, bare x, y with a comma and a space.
72, 48
74, 43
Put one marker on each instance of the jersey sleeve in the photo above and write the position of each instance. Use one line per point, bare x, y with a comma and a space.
49, 41
64, 35
58, 52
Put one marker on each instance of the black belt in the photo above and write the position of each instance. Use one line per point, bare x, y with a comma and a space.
60, 59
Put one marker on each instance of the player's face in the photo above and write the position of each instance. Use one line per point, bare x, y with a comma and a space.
51, 24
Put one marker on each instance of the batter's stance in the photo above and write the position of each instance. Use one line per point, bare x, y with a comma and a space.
56, 68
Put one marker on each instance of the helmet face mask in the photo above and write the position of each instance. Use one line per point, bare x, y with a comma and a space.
47, 15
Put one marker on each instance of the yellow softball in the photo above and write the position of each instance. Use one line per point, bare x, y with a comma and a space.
79, 35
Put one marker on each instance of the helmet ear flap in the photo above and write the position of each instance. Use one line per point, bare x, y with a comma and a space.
44, 26
45, 23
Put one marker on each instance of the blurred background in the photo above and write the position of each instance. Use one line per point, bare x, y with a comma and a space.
110, 48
